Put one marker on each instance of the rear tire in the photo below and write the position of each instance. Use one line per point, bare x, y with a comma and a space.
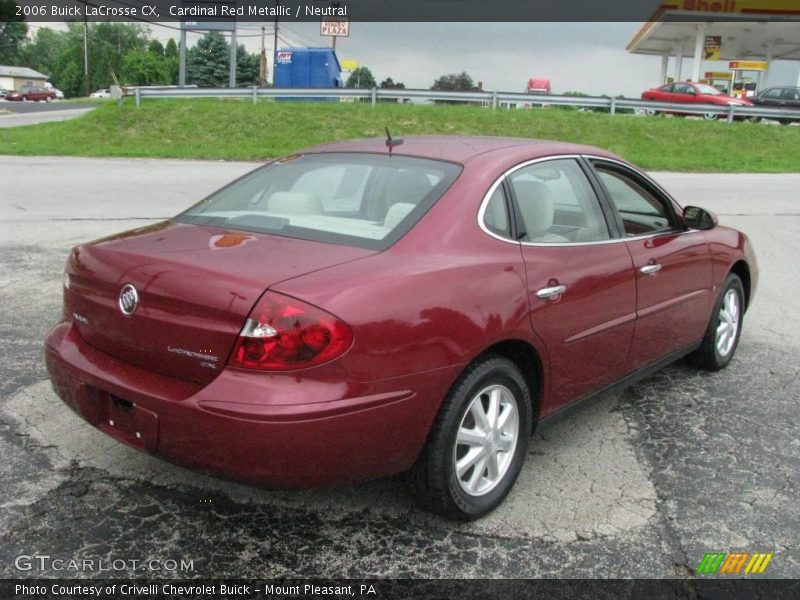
711, 116
724, 329
478, 442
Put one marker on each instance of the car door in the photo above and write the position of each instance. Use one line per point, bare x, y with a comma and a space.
581, 287
672, 264
683, 93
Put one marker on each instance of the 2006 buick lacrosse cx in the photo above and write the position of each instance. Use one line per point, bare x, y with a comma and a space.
367, 308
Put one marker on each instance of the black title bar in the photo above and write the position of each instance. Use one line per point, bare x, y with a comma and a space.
353, 10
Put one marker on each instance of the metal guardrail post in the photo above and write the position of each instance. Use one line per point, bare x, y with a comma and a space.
730, 113
138, 93
255, 95
613, 105
374, 96
494, 100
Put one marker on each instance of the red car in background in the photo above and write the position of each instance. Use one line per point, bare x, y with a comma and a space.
34, 93
686, 92
356, 311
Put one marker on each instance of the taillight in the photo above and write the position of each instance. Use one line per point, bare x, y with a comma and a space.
283, 333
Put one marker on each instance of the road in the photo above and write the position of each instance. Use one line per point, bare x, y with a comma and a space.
15, 114
640, 485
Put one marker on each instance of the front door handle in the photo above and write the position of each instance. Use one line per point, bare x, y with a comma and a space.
551, 293
650, 269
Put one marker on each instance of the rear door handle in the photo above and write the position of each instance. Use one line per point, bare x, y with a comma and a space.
650, 269
551, 293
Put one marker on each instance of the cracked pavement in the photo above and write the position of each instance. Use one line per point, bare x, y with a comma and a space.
640, 484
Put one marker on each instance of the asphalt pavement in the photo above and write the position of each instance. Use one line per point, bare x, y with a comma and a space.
15, 114
642, 484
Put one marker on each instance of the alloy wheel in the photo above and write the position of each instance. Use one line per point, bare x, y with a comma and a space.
486, 440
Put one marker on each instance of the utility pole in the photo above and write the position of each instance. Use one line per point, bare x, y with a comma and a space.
275, 45
232, 74
262, 65
86, 90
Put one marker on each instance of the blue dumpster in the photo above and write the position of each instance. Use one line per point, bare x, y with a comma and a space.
307, 68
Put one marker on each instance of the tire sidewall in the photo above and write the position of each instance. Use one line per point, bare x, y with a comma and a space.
731, 283
500, 372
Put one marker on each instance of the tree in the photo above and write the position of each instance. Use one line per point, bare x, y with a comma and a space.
171, 49
247, 66
361, 78
43, 52
389, 84
144, 68
13, 33
208, 62
155, 47
460, 82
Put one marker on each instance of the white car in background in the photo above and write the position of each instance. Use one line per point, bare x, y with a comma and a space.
104, 93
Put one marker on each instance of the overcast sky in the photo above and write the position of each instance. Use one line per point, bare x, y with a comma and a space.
585, 57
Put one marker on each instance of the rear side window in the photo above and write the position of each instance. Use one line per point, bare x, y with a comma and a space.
495, 216
364, 200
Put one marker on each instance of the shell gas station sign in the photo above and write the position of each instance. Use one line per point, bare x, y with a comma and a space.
753, 7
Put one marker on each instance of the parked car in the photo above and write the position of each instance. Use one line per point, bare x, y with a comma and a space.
104, 93
686, 92
35, 93
780, 97
354, 311
59, 94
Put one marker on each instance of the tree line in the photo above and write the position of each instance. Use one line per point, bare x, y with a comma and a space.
124, 51
128, 53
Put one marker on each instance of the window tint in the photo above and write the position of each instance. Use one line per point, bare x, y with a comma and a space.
773, 93
641, 210
366, 200
557, 204
495, 216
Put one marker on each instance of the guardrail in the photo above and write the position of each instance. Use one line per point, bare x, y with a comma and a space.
494, 100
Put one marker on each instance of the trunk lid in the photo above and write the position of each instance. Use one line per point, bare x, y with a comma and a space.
195, 285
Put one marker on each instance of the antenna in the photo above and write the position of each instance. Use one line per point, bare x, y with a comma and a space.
391, 143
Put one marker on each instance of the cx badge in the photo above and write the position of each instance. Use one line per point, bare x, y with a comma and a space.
128, 300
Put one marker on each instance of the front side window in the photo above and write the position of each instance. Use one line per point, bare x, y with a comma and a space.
365, 200
557, 204
641, 210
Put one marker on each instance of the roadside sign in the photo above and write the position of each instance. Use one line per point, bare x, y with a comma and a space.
748, 65
284, 57
349, 65
713, 46
335, 27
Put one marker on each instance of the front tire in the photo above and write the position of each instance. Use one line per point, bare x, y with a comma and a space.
722, 335
478, 442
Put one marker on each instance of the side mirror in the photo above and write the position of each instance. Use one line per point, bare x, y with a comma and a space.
695, 217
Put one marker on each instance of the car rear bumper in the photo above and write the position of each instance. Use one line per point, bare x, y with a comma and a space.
264, 429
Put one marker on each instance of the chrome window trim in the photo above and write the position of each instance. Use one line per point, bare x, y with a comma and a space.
499, 181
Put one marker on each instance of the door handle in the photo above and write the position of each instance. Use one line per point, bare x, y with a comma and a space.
651, 269
551, 293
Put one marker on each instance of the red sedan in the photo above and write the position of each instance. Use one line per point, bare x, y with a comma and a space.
355, 311
692, 93
34, 93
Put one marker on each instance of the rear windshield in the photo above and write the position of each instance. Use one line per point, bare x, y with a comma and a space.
364, 200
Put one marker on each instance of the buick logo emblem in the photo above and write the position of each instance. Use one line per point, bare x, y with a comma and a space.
128, 299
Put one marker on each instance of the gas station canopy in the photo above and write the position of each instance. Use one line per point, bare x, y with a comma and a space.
721, 30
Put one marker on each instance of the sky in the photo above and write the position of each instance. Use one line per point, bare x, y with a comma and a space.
584, 57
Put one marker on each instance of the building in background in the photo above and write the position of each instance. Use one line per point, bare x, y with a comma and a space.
13, 78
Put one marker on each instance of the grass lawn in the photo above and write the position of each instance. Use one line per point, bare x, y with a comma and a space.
237, 130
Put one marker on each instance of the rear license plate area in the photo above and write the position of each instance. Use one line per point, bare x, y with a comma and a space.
120, 418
